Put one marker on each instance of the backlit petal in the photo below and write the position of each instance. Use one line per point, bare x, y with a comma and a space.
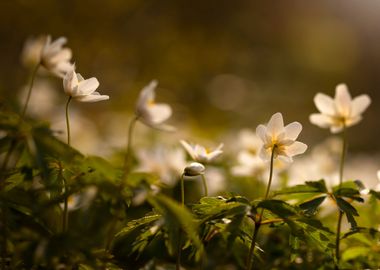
360, 104
342, 100
295, 149
275, 125
293, 130
324, 104
88, 86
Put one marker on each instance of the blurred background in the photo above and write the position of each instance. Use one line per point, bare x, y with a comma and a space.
223, 65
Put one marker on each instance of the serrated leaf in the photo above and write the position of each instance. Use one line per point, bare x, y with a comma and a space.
349, 210
309, 187
136, 224
278, 207
310, 207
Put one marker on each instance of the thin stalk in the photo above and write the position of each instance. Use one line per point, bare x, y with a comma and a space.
29, 92
68, 120
129, 144
340, 216
182, 190
258, 222
179, 248
204, 184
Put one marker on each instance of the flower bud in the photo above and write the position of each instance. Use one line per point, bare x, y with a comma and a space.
194, 169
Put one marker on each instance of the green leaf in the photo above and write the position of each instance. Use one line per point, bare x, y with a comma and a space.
176, 219
309, 187
375, 194
352, 253
136, 224
349, 210
310, 207
278, 207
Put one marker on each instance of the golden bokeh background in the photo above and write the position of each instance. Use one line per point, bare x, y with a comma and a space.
223, 65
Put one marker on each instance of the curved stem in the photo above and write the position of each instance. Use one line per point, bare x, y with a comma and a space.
258, 222
29, 92
129, 144
340, 216
67, 120
204, 184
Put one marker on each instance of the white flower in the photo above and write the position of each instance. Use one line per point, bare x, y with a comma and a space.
80, 89
340, 112
150, 113
82, 199
280, 137
201, 154
194, 169
55, 58
166, 162
31, 52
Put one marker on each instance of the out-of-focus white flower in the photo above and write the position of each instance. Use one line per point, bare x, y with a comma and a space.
80, 89
44, 102
201, 154
280, 137
81, 200
150, 113
377, 188
216, 180
31, 52
340, 112
165, 162
194, 169
248, 165
55, 58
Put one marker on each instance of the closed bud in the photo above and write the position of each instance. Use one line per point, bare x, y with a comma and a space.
194, 169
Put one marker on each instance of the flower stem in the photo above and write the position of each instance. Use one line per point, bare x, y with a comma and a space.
258, 222
204, 184
129, 144
182, 190
67, 120
179, 250
29, 92
65, 215
340, 216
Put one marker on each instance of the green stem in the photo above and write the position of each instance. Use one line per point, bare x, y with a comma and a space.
29, 92
68, 120
182, 190
179, 248
129, 144
340, 216
204, 185
258, 222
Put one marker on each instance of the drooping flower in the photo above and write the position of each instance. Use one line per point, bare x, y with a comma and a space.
80, 89
150, 113
194, 169
31, 52
279, 139
340, 112
55, 58
201, 154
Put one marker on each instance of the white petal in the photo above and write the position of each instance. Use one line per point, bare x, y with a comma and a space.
188, 148
295, 149
321, 120
261, 131
275, 125
360, 104
70, 81
342, 100
264, 154
324, 104
211, 156
95, 97
146, 96
353, 120
63, 55
336, 128
88, 86
293, 130
158, 113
